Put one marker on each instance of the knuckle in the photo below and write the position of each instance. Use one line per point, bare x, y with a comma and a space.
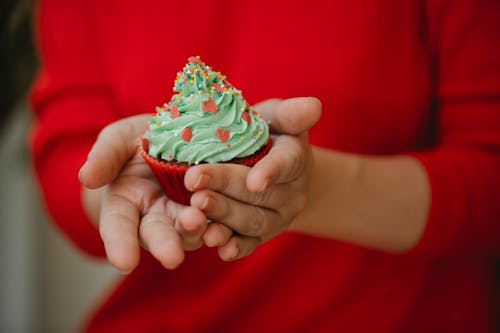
256, 224
220, 207
263, 197
217, 207
297, 162
223, 179
146, 223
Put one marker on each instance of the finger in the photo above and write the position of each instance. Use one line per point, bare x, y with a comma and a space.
159, 236
118, 226
217, 234
248, 220
190, 225
287, 160
291, 116
231, 179
238, 247
114, 146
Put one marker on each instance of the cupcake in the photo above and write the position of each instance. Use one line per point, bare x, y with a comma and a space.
206, 121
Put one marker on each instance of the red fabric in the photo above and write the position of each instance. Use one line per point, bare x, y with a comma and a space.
395, 77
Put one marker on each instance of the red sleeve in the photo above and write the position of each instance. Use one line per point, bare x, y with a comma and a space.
464, 167
72, 102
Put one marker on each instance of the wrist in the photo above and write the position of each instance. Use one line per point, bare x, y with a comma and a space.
333, 177
377, 202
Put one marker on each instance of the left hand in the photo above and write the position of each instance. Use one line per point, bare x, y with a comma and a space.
124, 200
250, 206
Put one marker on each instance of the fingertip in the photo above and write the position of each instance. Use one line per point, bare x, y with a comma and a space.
81, 174
216, 234
174, 260
92, 176
192, 221
229, 251
200, 200
315, 110
196, 178
190, 178
259, 178
298, 114
124, 261
169, 253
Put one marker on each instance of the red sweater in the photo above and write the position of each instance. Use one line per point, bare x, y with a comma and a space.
395, 77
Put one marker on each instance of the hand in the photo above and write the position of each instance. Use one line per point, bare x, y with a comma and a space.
258, 203
122, 196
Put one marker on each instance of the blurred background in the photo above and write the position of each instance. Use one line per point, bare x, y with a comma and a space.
45, 285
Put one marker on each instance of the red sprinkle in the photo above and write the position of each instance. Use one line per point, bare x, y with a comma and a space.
174, 112
222, 134
186, 134
210, 106
218, 87
195, 60
246, 117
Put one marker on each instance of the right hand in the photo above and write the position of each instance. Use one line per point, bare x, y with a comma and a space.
121, 195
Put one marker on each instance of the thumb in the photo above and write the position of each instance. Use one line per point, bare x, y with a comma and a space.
114, 146
290, 116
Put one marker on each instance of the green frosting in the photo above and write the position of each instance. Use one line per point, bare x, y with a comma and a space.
206, 120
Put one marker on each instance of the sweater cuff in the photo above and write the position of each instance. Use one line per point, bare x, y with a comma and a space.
461, 218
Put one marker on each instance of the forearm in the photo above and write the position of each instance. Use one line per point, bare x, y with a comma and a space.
378, 202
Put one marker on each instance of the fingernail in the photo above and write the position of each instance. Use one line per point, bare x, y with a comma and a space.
205, 202
234, 253
200, 181
199, 201
197, 182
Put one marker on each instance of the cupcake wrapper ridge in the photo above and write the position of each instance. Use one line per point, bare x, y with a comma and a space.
170, 175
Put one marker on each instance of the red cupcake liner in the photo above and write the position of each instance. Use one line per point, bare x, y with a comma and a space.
170, 175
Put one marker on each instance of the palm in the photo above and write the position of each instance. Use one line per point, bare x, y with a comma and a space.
134, 211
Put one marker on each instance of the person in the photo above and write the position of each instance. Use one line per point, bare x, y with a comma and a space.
375, 210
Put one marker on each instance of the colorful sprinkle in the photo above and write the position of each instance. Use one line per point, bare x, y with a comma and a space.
222, 134
186, 134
